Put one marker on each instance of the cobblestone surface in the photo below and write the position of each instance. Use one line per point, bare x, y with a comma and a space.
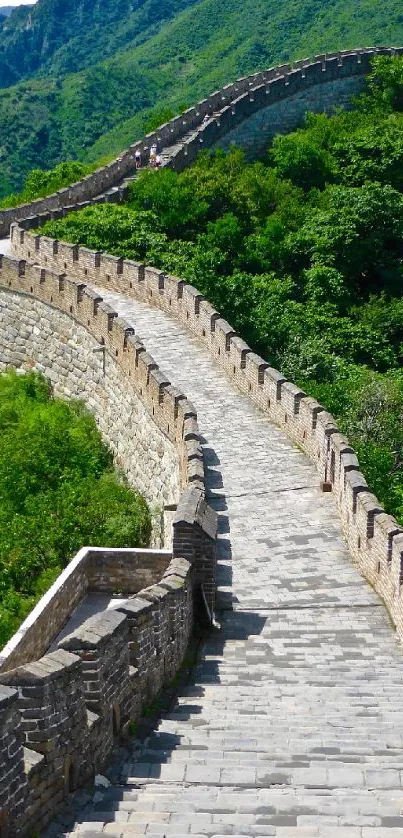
292, 725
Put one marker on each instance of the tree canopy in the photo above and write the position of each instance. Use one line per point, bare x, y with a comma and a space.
302, 253
58, 492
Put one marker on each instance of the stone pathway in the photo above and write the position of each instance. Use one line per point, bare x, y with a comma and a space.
293, 724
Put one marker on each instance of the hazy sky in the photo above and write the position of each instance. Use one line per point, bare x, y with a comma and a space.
16, 3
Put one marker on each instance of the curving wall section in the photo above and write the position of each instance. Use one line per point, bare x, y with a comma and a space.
33, 337
374, 538
62, 716
248, 112
171, 413
70, 707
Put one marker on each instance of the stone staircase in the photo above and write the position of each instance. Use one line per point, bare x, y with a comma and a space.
292, 723
165, 153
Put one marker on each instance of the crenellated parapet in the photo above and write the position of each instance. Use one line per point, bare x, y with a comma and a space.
375, 539
281, 95
63, 712
66, 291
70, 708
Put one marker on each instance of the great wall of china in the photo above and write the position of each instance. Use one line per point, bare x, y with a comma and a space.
292, 725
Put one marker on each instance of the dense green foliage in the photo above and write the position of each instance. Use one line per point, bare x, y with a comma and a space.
58, 492
91, 76
303, 255
39, 182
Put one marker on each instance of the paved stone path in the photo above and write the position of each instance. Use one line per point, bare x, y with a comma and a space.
293, 724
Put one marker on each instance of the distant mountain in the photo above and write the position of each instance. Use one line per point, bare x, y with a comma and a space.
63, 36
94, 73
6, 10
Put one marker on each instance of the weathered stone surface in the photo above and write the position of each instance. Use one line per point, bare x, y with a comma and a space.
292, 723
63, 352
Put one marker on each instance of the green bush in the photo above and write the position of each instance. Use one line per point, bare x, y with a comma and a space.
58, 492
39, 183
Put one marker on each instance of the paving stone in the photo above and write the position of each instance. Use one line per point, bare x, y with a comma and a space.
292, 725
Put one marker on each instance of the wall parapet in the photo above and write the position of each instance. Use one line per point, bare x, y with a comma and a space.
144, 646
188, 132
375, 539
92, 570
71, 708
169, 408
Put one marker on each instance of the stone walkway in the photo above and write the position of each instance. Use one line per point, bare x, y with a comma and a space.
292, 725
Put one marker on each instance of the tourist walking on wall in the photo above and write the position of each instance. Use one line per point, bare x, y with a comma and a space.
153, 154
137, 158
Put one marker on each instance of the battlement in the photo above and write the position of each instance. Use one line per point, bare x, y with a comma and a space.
375, 540
187, 133
170, 410
92, 570
62, 716
71, 707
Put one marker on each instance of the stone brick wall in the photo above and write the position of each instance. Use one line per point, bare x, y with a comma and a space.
374, 538
33, 337
255, 133
71, 707
37, 300
299, 85
51, 322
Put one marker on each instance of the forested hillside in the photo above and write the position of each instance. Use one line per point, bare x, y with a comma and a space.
6, 10
95, 73
58, 491
303, 254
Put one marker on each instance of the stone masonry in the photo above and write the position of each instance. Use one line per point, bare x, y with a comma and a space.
31, 338
249, 111
291, 725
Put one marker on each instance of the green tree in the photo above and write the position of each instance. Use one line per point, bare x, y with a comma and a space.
58, 491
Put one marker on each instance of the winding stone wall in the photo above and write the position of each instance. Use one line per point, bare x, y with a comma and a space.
194, 528
70, 707
255, 133
375, 539
181, 138
33, 336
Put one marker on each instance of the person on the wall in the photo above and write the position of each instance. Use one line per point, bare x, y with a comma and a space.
158, 161
137, 158
153, 155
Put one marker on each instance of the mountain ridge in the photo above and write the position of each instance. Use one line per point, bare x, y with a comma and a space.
159, 58
6, 10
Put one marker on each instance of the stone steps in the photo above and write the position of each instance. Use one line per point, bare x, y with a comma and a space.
244, 811
165, 153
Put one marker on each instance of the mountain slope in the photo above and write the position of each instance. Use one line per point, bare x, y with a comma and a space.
6, 10
102, 108
58, 37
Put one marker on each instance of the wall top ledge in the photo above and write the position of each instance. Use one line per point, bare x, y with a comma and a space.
46, 669
94, 631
